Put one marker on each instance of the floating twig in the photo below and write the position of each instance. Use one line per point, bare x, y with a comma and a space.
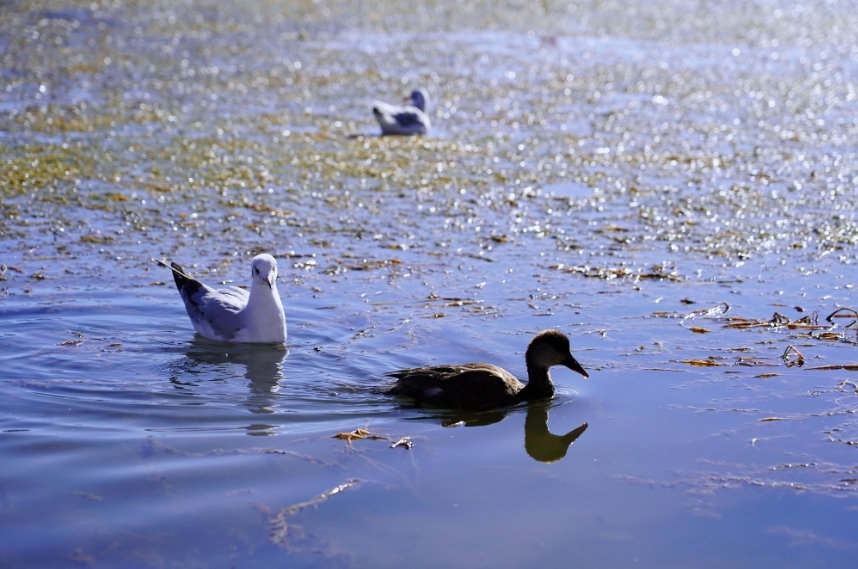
799, 360
722, 308
836, 313
403, 442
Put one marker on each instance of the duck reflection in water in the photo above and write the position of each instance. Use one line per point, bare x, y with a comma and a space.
539, 443
263, 370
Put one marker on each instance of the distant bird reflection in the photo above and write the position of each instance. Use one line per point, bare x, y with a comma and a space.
263, 370
540, 443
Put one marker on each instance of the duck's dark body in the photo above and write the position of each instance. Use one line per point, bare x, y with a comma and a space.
466, 386
486, 386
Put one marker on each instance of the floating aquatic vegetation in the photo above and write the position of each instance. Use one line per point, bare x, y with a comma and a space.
805, 476
657, 272
289, 535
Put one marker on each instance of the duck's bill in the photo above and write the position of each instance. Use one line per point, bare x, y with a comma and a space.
573, 364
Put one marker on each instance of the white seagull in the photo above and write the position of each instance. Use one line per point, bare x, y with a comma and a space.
233, 314
408, 119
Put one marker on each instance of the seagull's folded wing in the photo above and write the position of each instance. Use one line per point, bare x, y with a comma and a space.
215, 313
408, 118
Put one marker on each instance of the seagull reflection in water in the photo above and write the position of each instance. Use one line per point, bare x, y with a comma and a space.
539, 443
263, 369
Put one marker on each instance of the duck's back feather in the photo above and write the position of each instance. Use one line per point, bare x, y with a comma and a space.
467, 386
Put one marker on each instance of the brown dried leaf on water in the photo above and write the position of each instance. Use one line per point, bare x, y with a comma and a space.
699, 330
769, 419
847, 367
371, 264
687, 301
358, 434
776, 320
403, 442
350, 436
480, 257
767, 375
665, 314
830, 336
739, 322
72, 343
710, 362
282, 532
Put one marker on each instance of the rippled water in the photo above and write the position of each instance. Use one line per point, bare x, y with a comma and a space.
670, 184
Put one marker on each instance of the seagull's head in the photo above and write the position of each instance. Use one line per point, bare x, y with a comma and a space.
264, 268
419, 98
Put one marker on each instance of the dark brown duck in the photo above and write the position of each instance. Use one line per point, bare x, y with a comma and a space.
486, 386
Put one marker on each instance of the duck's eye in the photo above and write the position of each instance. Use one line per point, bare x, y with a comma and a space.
255, 270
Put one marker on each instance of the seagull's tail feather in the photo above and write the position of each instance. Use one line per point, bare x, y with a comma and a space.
184, 283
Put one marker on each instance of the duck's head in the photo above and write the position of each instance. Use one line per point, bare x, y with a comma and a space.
551, 348
264, 268
419, 98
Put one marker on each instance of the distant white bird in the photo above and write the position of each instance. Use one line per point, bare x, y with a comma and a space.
408, 119
233, 314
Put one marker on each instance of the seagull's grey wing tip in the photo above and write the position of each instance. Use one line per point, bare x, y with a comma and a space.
188, 285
